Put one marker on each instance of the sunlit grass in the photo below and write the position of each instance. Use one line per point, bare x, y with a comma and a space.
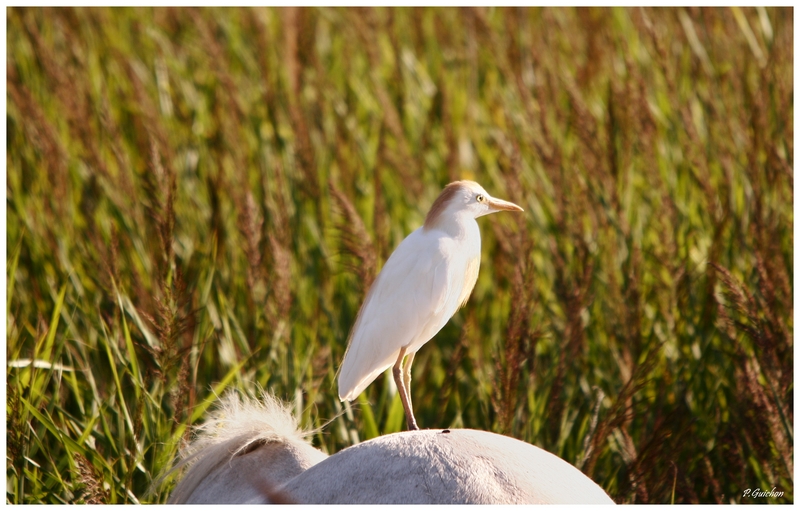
199, 198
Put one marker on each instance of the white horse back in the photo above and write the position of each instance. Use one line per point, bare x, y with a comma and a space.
460, 466
254, 452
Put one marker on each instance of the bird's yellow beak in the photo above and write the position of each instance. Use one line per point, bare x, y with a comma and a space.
502, 205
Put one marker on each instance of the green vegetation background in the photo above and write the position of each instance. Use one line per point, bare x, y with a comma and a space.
199, 198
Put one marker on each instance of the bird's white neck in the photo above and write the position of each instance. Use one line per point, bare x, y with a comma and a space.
460, 225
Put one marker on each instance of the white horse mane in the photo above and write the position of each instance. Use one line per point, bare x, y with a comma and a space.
237, 425
262, 420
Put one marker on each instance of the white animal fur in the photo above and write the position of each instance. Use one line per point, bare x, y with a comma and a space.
248, 453
243, 448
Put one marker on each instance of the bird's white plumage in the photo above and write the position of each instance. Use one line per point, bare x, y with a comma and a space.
433, 283
425, 280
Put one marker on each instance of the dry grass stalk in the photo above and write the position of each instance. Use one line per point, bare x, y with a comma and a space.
250, 225
745, 313
304, 150
278, 257
93, 492
356, 241
366, 23
43, 135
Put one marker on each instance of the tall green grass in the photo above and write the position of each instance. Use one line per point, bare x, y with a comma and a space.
198, 200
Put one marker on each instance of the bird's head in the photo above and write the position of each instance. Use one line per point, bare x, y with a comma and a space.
460, 197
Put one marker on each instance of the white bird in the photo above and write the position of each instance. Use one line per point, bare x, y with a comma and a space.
423, 283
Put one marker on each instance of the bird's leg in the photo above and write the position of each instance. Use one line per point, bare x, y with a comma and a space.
412, 424
397, 372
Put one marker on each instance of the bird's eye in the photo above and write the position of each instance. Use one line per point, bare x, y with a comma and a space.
480, 198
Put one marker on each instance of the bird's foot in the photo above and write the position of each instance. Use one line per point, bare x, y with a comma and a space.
412, 426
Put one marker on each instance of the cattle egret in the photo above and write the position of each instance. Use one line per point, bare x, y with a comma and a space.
425, 280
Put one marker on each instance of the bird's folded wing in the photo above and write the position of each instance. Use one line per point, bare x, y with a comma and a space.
408, 301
